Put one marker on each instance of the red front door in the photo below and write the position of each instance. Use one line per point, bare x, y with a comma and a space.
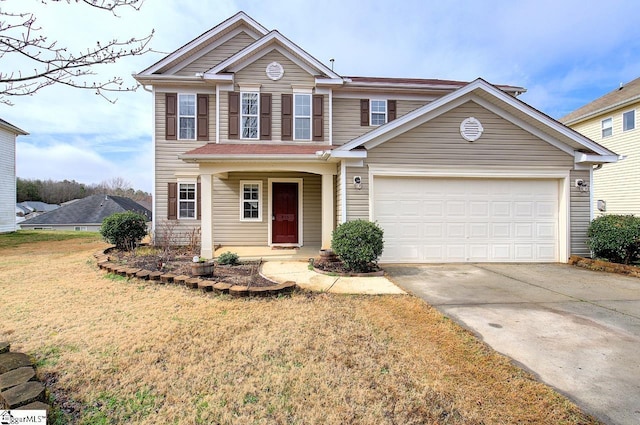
284, 217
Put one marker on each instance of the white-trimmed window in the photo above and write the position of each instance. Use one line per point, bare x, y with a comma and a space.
607, 127
302, 116
250, 200
80, 228
186, 200
187, 116
378, 111
249, 114
629, 120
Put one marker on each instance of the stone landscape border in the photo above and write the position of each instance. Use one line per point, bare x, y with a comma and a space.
20, 389
604, 266
105, 263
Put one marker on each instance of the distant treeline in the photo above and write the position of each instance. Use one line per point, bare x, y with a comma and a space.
57, 192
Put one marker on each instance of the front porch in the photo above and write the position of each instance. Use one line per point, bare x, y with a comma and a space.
267, 253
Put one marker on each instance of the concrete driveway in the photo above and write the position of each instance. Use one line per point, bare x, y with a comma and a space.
577, 330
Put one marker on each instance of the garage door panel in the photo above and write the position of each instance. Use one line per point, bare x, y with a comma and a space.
458, 220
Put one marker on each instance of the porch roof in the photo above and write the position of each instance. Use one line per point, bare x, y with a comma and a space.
245, 150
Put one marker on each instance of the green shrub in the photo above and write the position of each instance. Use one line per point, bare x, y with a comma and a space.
358, 244
228, 258
124, 230
615, 238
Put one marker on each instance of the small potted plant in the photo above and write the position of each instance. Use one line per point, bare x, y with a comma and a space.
201, 267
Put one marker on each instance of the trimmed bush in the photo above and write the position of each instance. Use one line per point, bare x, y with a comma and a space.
228, 258
125, 230
615, 238
358, 244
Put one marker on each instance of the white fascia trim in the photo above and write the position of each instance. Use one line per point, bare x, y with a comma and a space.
270, 158
343, 190
522, 124
186, 89
322, 81
209, 48
348, 154
223, 78
272, 36
204, 38
582, 157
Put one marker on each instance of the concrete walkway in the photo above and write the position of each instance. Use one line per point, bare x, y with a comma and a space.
298, 271
577, 329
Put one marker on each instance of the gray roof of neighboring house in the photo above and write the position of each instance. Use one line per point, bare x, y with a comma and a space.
90, 210
12, 128
625, 94
38, 206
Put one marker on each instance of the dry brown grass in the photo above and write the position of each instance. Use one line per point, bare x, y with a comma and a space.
134, 352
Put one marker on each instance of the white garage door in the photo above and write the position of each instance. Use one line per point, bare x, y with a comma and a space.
467, 220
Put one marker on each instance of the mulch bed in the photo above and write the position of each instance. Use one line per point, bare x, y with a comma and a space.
245, 274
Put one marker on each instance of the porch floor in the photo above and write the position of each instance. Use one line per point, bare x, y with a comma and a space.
267, 253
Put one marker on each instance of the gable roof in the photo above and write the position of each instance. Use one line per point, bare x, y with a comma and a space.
499, 102
244, 56
205, 39
38, 206
624, 95
12, 128
90, 210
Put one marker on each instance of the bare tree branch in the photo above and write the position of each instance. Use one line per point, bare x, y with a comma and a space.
50, 64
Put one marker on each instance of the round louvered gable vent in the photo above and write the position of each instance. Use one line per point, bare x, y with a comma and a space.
471, 129
275, 71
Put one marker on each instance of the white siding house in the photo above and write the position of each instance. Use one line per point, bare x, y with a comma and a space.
8, 134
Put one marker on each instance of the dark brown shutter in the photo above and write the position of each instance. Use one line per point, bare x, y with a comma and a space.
364, 112
234, 115
172, 205
198, 200
265, 116
203, 117
391, 110
171, 116
287, 117
318, 117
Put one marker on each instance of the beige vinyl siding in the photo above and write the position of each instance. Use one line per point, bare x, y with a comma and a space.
580, 214
438, 142
255, 74
346, 117
7, 181
616, 183
220, 53
228, 230
168, 165
357, 199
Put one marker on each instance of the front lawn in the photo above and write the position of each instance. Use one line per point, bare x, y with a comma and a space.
118, 351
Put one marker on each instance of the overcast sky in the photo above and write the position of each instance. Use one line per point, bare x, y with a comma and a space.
565, 52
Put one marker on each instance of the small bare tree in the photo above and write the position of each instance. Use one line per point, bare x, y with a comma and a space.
21, 38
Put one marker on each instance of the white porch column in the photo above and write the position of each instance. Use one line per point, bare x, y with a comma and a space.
206, 218
328, 210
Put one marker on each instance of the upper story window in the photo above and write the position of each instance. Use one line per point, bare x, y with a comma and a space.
186, 200
187, 116
629, 120
249, 111
302, 116
607, 127
378, 112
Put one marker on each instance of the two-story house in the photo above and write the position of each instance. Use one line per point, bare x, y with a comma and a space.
8, 135
258, 143
611, 120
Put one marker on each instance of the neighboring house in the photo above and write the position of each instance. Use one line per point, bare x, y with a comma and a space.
8, 135
38, 206
612, 121
85, 214
259, 143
